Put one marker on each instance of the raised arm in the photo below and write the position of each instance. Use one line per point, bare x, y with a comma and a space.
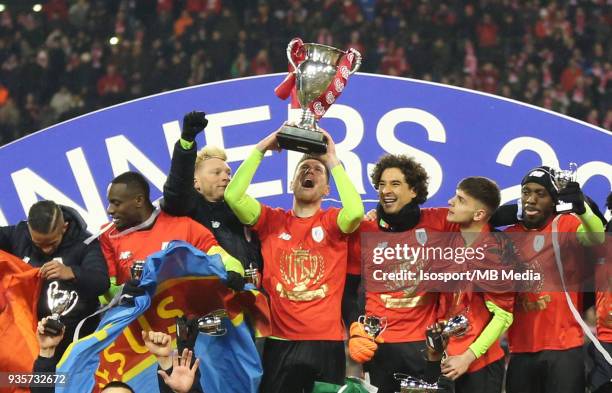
352, 211
591, 230
246, 208
180, 198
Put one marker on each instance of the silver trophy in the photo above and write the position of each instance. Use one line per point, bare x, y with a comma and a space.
210, 324
136, 270
313, 76
454, 327
251, 276
410, 384
372, 325
562, 178
187, 329
60, 302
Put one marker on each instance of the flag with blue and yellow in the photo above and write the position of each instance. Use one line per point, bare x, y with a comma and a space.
180, 280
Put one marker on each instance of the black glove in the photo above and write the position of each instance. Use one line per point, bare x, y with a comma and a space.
573, 194
193, 123
132, 289
505, 215
434, 338
234, 281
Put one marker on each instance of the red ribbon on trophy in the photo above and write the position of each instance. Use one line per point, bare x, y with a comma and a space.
333, 91
287, 86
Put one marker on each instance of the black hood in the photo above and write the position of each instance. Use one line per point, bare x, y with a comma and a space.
77, 227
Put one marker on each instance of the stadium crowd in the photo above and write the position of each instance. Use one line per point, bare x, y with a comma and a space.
70, 57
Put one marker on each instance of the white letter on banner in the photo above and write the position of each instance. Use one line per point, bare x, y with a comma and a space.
28, 185
512, 149
354, 134
594, 168
214, 136
385, 134
172, 133
3, 221
122, 153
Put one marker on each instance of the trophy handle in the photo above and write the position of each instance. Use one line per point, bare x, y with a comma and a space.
290, 47
400, 376
74, 298
53, 287
573, 168
383, 322
357, 62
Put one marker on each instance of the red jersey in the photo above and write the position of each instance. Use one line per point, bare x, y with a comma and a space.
472, 303
603, 294
304, 274
121, 251
408, 314
543, 320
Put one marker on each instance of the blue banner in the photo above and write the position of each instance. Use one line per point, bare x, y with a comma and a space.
452, 131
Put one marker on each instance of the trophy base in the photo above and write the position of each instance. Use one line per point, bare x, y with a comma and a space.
301, 139
53, 327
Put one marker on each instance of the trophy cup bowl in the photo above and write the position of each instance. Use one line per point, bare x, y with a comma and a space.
136, 270
456, 326
562, 178
210, 324
60, 302
410, 384
373, 325
313, 76
251, 276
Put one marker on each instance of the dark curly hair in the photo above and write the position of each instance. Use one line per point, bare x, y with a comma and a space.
414, 173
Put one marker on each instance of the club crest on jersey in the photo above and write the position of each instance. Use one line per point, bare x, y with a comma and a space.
317, 234
538, 243
123, 255
421, 236
215, 224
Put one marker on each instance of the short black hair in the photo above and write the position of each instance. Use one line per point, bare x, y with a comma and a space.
416, 176
313, 157
482, 189
44, 216
118, 384
609, 201
135, 183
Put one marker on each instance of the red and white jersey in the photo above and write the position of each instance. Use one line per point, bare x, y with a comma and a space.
121, 251
305, 270
408, 314
543, 320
